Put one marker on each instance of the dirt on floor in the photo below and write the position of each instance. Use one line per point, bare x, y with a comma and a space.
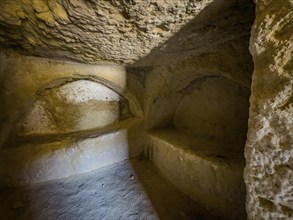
128, 190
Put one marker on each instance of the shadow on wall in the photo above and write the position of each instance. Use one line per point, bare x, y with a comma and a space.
197, 88
210, 107
200, 148
80, 122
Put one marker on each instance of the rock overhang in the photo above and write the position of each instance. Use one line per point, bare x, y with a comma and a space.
98, 31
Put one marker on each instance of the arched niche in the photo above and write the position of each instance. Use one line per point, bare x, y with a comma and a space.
214, 108
200, 148
74, 105
74, 125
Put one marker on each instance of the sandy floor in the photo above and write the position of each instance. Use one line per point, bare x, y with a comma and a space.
129, 190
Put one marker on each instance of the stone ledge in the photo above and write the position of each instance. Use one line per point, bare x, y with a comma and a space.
22, 140
209, 175
48, 161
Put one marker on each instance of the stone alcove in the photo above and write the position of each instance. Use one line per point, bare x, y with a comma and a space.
197, 108
215, 108
77, 105
199, 142
67, 123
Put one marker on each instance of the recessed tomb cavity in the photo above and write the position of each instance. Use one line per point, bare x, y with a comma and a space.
72, 125
200, 149
214, 108
74, 106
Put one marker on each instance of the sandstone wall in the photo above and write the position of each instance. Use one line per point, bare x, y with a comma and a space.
197, 96
61, 118
217, 73
269, 147
91, 31
188, 66
216, 109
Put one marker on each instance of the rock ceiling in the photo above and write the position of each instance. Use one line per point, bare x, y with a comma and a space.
120, 31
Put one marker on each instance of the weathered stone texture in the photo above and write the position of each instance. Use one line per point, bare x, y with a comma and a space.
40, 162
91, 31
215, 108
59, 118
196, 96
203, 169
74, 106
172, 44
269, 148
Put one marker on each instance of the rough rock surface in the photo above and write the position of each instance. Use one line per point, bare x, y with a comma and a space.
215, 44
128, 190
269, 148
49, 160
91, 31
169, 44
74, 106
216, 109
203, 169
61, 118
24, 80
